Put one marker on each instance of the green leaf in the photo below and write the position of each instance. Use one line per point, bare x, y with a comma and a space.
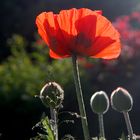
123, 137
47, 127
47, 134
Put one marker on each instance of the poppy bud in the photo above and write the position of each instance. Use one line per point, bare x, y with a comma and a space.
121, 100
52, 95
99, 102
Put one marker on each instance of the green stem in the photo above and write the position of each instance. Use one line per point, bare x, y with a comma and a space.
128, 124
80, 98
101, 125
53, 113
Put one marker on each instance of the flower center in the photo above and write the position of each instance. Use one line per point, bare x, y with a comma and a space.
82, 40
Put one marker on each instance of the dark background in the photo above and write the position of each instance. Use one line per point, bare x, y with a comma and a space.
19, 110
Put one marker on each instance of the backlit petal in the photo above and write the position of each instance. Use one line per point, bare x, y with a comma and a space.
79, 31
111, 51
107, 44
56, 56
50, 32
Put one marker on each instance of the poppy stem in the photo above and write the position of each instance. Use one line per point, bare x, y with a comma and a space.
129, 126
80, 97
101, 125
53, 113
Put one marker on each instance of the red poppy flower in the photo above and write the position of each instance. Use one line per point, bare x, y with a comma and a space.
81, 32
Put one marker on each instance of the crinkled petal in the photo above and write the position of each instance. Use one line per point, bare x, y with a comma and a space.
107, 43
73, 24
111, 51
50, 32
79, 31
56, 56
98, 38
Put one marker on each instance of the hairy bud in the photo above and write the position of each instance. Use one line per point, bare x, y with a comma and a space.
121, 100
99, 102
52, 95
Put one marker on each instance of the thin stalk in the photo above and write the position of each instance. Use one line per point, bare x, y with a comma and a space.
128, 124
101, 125
80, 98
53, 113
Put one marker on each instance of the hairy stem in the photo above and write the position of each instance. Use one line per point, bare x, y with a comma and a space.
101, 125
80, 98
128, 124
53, 113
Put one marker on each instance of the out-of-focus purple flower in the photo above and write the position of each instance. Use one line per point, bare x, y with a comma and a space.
129, 28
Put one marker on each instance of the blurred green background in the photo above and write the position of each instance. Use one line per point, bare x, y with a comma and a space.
25, 67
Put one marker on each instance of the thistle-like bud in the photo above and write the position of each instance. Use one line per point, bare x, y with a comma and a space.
99, 102
121, 100
52, 95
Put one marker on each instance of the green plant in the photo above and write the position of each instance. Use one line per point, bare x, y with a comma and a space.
24, 73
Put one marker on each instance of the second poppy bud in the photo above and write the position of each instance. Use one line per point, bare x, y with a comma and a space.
99, 102
121, 100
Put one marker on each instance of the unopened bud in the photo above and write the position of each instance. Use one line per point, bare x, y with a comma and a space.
99, 102
52, 95
121, 100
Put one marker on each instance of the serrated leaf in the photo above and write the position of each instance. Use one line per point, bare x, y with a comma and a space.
47, 127
47, 133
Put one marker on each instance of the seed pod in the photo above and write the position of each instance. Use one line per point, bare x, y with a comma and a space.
52, 95
121, 100
99, 102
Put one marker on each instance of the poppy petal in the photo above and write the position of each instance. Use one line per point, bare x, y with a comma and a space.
107, 44
56, 56
86, 28
99, 36
67, 20
49, 31
41, 29
109, 52
98, 11
79, 31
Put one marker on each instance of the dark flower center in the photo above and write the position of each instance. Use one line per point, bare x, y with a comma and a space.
82, 40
